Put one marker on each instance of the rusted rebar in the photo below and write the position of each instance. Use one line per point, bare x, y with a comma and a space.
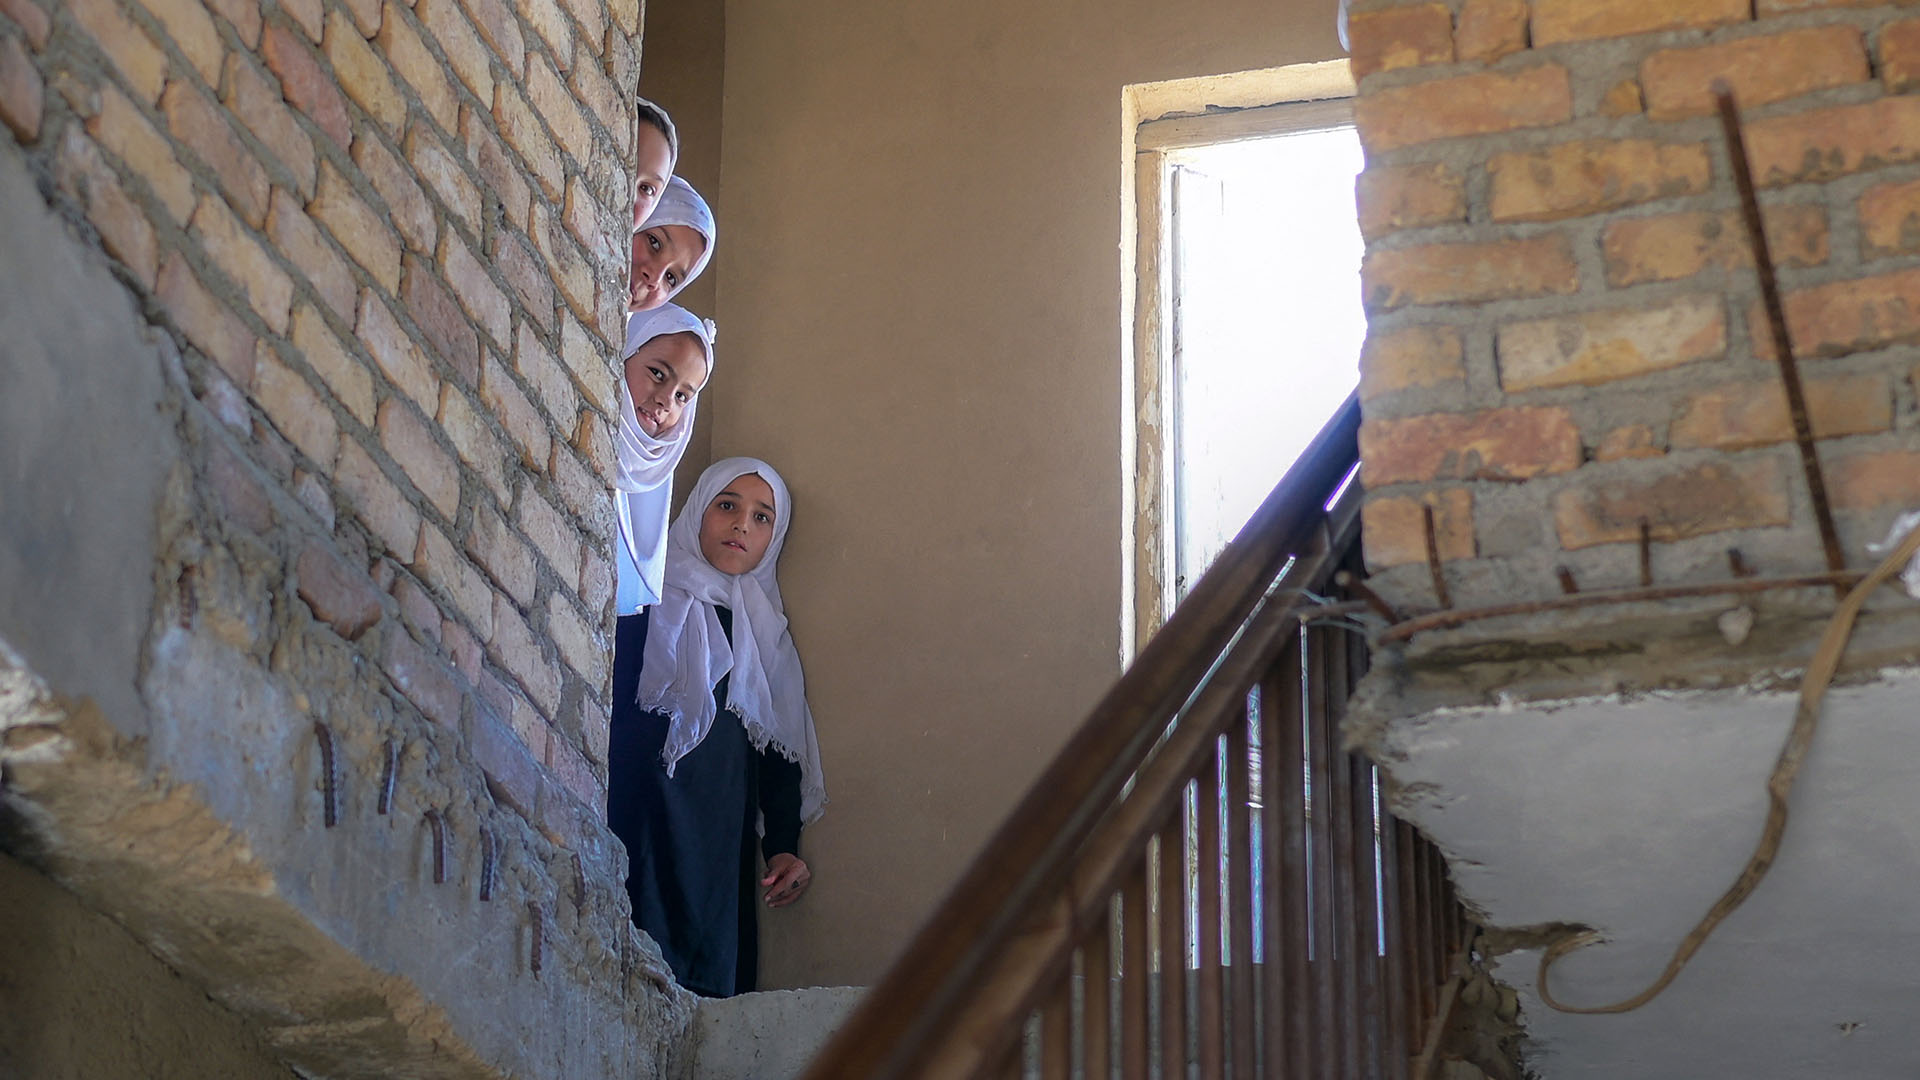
1567, 584
537, 931
1737, 563
387, 776
1365, 592
438, 826
329, 793
1433, 558
1646, 553
1777, 325
486, 864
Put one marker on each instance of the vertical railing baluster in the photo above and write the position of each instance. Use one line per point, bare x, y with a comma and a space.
1173, 949
1240, 855
1056, 1032
1207, 923
1097, 1004
1339, 811
1326, 981
1398, 987
1423, 935
1134, 975
1367, 918
1296, 1002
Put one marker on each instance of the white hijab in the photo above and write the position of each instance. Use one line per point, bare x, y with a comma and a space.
643, 472
688, 653
681, 205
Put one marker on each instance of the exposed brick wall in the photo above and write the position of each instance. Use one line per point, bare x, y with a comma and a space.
387, 235
1566, 337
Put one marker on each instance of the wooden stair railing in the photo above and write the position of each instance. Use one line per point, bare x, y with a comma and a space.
1098, 887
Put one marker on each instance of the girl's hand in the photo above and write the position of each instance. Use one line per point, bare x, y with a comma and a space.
787, 874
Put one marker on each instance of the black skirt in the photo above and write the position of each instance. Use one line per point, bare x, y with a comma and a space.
693, 871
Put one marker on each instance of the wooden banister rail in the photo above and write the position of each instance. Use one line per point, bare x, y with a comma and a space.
1099, 874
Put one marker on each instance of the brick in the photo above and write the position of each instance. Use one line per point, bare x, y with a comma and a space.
1480, 104
513, 775
256, 101
268, 289
463, 648
555, 104
123, 132
376, 501
128, 47
439, 318
193, 32
1676, 502
466, 53
1627, 443
1890, 219
366, 16
1821, 144
344, 375
360, 229
475, 290
566, 264
498, 174
1624, 99
582, 490
1673, 246
202, 127
1400, 37
1603, 346
443, 174
418, 67
212, 327
573, 770
592, 365
363, 74
1847, 316
625, 15
498, 24
295, 409
594, 438
299, 239
243, 16
1735, 416
418, 608
1498, 444
1761, 70
124, 229
551, 534
395, 353
1418, 356
518, 415
1577, 178
1468, 273
503, 554
581, 213
242, 500
407, 205
1490, 29
580, 648
306, 85
1555, 21
309, 15
410, 440
422, 678
1763, 8
336, 593
473, 440
32, 20
1899, 48
596, 582
592, 88
622, 55
515, 648
1874, 479
1393, 530
527, 277
446, 569
553, 27
522, 130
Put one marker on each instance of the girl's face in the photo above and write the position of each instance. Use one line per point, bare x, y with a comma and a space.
652, 166
738, 525
663, 375
662, 255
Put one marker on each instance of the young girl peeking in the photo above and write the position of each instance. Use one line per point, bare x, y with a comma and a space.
670, 247
656, 151
669, 354
712, 738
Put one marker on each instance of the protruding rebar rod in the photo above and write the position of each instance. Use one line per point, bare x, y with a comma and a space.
331, 805
1433, 558
1777, 323
1646, 553
1567, 584
537, 931
1365, 592
1737, 563
486, 864
439, 827
388, 776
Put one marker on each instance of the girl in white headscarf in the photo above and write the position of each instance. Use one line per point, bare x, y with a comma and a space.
722, 744
670, 247
669, 357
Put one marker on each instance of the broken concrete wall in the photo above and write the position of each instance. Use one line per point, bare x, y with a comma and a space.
304, 586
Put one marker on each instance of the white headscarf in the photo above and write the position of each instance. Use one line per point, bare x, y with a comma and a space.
681, 205
643, 473
688, 652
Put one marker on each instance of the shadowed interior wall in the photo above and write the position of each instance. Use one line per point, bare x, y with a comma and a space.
920, 293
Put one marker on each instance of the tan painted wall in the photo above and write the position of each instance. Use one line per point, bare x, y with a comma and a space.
920, 289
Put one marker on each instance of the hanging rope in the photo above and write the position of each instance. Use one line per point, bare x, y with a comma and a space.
1813, 689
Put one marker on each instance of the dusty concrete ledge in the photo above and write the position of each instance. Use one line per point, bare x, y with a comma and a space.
765, 1036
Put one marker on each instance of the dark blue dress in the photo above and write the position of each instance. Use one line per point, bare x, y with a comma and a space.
694, 871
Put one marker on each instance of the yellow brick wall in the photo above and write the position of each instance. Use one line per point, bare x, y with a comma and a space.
1566, 337
389, 238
